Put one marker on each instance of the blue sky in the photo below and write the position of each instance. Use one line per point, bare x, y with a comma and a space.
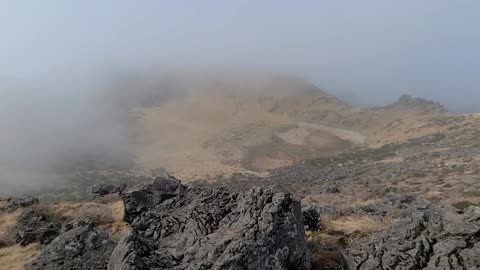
367, 51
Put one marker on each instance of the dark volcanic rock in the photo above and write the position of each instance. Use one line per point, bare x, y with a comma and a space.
36, 226
81, 248
311, 218
20, 202
102, 190
178, 228
430, 238
332, 189
141, 198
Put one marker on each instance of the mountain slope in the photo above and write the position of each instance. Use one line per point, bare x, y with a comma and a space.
220, 124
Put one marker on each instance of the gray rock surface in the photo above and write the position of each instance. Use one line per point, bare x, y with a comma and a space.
102, 189
430, 238
20, 202
36, 226
81, 248
178, 228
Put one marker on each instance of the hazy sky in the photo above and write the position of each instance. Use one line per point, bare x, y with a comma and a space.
370, 51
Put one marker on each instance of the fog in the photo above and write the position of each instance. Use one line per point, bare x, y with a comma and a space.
48, 128
56, 58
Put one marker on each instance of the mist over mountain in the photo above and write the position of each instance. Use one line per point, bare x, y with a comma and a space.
376, 51
146, 120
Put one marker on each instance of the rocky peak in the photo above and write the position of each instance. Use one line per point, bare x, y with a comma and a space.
419, 103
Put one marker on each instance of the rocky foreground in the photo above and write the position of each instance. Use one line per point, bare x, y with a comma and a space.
173, 226
427, 238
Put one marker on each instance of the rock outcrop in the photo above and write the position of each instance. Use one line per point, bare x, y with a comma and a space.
82, 248
420, 103
36, 226
102, 189
430, 238
20, 202
175, 227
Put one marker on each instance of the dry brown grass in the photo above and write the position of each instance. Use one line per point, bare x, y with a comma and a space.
108, 199
118, 226
98, 213
355, 224
7, 227
107, 215
3, 204
8, 219
15, 257
7, 236
326, 245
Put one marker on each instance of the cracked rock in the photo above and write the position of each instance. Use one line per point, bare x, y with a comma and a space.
81, 248
431, 238
174, 227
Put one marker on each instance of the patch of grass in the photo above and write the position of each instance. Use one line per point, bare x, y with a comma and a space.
356, 225
7, 227
358, 155
461, 205
108, 199
472, 193
98, 213
15, 257
7, 236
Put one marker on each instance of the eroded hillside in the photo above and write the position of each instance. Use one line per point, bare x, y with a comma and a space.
218, 124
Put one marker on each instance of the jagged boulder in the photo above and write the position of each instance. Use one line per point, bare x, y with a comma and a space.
81, 247
20, 202
36, 226
430, 238
141, 198
174, 227
102, 190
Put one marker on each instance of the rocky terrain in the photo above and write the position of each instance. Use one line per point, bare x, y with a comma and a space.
282, 176
429, 238
173, 226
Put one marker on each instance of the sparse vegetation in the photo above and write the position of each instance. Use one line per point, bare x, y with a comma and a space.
463, 204
7, 236
98, 214
15, 257
7, 227
358, 156
311, 219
